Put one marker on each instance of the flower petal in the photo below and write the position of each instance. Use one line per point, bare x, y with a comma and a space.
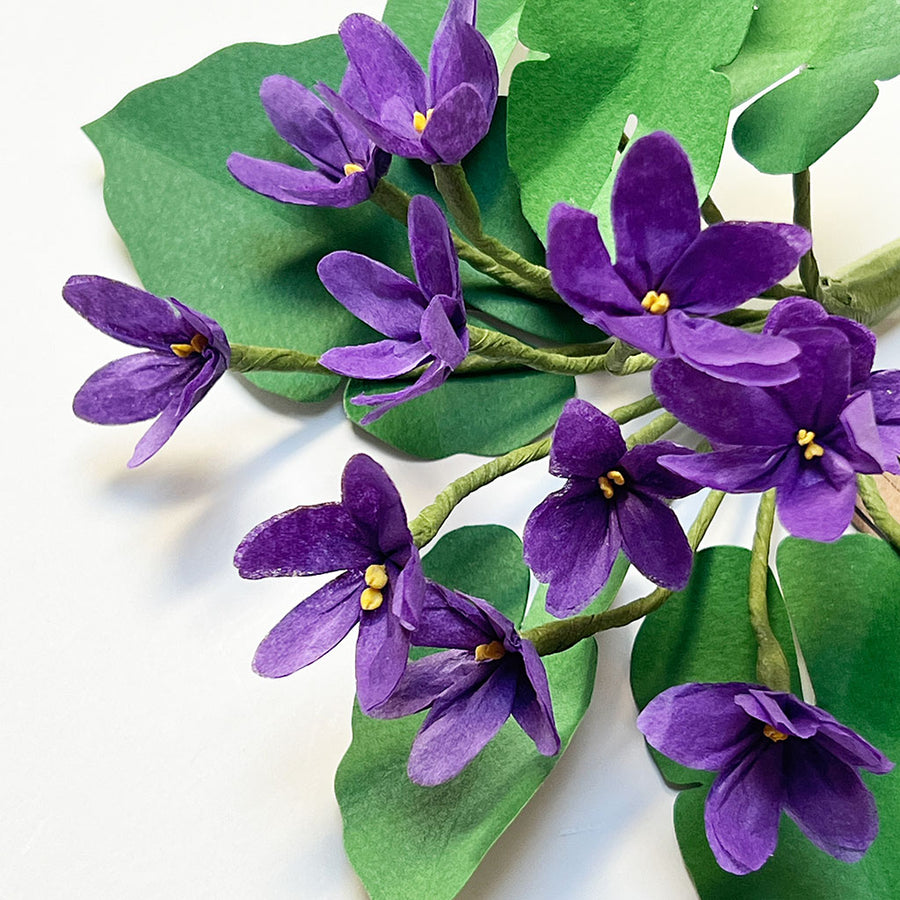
382, 649
865, 451
655, 211
641, 465
586, 441
848, 746
438, 333
458, 122
433, 377
408, 594
452, 619
311, 629
532, 707
431, 247
739, 470
382, 359
817, 502
460, 55
730, 262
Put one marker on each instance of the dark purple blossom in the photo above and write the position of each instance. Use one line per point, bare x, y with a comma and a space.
425, 323
807, 438
613, 500
347, 164
438, 117
187, 353
669, 276
382, 588
773, 753
471, 690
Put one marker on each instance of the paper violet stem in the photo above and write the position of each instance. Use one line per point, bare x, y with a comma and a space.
613, 500
437, 118
347, 164
773, 753
424, 323
669, 276
471, 690
382, 588
186, 354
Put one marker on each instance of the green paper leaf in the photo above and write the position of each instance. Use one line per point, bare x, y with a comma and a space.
483, 414
843, 47
610, 59
408, 842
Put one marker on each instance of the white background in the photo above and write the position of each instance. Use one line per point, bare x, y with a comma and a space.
140, 757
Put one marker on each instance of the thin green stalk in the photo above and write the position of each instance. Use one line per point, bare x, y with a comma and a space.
884, 522
555, 637
245, 358
771, 663
809, 268
652, 430
428, 522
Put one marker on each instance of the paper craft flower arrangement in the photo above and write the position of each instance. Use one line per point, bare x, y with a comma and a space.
419, 286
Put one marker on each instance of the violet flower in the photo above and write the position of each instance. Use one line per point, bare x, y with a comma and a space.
669, 275
187, 354
472, 690
425, 323
382, 588
807, 439
437, 118
613, 500
347, 164
773, 752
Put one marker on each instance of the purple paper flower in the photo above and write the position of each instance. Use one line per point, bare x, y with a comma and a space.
807, 438
437, 118
347, 164
187, 353
613, 500
669, 275
773, 752
382, 588
472, 690
425, 324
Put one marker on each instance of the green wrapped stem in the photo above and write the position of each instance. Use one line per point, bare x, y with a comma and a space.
555, 637
245, 358
809, 268
884, 522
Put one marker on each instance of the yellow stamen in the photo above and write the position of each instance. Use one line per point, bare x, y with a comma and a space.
606, 487
655, 303
616, 477
807, 439
420, 120
773, 734
197, 345
352, 168
493, 650
376, 577
370, 599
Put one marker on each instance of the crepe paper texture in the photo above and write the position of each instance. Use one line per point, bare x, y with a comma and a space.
611, 59
484, 414
427, 853
842, 600
841, 49
186, 353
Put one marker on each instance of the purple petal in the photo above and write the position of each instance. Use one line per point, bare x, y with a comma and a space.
383, 359
375, 293
459, 726
655, 211
408, 594
459, 121
308, 540
731, 354
739, 470
866, 451
132, 389
730, 262
884, 386
795, 312
643, 330
433, 377
431, 247
642, 468
311, 629
725, 412
126, 313
828, 801
586, 442
781, 710
288, 184
532, 707
451, 619
580, 265
460, 55
382, 649
699, 725
817, 502
439, 335
848, 746
653, 540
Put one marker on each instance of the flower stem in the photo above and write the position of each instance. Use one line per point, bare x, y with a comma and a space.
887, 526
555, 637
453, 186
428, 522
395, 202
245, 358
771, 663
809, 268
652, 430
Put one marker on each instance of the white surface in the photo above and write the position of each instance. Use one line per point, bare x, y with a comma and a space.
140, 757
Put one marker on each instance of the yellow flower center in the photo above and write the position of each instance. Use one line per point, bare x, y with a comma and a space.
773, 734
493, 650
608, 482
807, 439
197, 345
352, 168
420, 120
376, 579
655, 303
